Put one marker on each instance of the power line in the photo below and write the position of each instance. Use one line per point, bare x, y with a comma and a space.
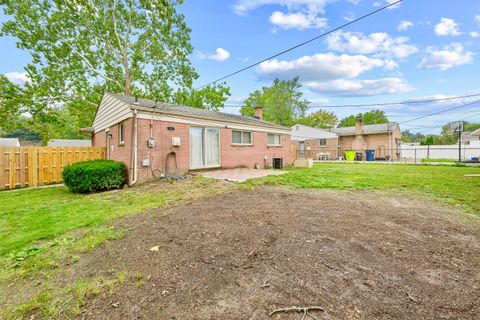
382, 104
442, 111
302, 43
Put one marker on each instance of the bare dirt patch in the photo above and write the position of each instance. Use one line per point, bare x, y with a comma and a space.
358, 255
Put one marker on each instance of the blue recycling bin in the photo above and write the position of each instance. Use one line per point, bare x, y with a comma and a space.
370, 155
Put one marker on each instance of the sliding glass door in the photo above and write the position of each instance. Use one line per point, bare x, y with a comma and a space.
204, 147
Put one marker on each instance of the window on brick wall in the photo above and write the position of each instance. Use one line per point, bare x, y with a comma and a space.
241, 137
323, 142
274, 139
121, 134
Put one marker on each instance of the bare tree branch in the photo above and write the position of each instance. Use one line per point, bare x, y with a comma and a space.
92, 68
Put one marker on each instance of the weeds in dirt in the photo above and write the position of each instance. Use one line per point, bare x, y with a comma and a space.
43, 231
61, 303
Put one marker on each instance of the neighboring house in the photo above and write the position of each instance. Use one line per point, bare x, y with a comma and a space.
314, 142
9, 142
384, 138
69, 143
468, 137
476, 133
156, 138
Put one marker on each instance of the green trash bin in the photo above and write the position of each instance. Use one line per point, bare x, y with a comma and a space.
350, 155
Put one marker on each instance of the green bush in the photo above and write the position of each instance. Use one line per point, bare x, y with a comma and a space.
94, 176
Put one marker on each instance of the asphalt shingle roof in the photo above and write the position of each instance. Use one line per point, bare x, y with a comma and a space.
196, 112
367, 129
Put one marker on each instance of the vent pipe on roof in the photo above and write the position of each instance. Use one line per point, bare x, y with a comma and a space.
136, 100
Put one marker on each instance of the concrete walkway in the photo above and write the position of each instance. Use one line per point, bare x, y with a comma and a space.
239, 174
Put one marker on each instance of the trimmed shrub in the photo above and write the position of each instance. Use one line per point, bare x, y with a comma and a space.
94, 176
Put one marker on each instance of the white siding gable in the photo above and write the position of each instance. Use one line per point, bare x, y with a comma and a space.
110, 111
300, 133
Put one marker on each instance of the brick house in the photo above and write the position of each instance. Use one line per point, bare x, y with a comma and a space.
384, 139
153, 139
314, 143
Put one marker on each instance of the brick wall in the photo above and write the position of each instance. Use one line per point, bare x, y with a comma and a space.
247, 156
232, 156
313, 148
382, 143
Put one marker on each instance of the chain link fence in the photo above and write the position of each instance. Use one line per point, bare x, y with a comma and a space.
402, 154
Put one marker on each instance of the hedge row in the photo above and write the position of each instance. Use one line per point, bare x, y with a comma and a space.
94, 176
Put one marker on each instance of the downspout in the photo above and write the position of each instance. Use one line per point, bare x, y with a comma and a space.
134, 151
390, 144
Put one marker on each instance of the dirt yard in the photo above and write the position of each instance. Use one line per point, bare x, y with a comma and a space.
357, 255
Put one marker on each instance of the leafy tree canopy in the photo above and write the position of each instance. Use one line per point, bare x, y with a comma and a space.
320, 119
370, 117
81, 48
282, 102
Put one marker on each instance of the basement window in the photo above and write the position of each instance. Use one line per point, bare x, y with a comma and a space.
241, 137
121, 134
274, 139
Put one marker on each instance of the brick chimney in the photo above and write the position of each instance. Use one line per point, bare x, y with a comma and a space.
358, 126
258, 112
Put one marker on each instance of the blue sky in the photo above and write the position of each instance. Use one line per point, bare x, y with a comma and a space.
417, 50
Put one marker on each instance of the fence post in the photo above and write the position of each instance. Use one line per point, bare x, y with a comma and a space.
415, 156
11, 162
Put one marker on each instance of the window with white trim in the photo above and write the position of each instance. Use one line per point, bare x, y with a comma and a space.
121, 134
241, 137
323, 142
274, 139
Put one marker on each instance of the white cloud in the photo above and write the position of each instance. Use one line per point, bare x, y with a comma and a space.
358, 88
314, 6
446, 58
220, 55
376, 43
18, 78
405, 25
392, 1
477, 18
319, 67
319, 101
447, 27
349, 16
297, 20
475, 34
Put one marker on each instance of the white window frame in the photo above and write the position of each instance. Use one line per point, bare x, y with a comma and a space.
121, 134
275, 145
241, 143
219, 165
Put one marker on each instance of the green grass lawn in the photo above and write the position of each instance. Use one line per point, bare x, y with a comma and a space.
28, 217
445, 183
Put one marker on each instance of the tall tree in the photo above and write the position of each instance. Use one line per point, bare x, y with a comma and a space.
370, 117
10, 104
81, 48
320, 119
282, 102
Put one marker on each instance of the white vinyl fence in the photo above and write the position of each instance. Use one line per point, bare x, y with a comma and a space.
417, 153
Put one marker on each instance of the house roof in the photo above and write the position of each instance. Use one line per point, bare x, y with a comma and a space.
367, 129
9, 142
300, 132
171, 109
69, 143
475, 133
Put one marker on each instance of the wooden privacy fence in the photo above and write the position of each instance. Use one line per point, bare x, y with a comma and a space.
22, 167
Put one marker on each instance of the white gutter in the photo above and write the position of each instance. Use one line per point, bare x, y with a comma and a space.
135, 151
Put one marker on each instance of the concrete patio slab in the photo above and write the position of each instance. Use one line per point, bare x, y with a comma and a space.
239, 174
